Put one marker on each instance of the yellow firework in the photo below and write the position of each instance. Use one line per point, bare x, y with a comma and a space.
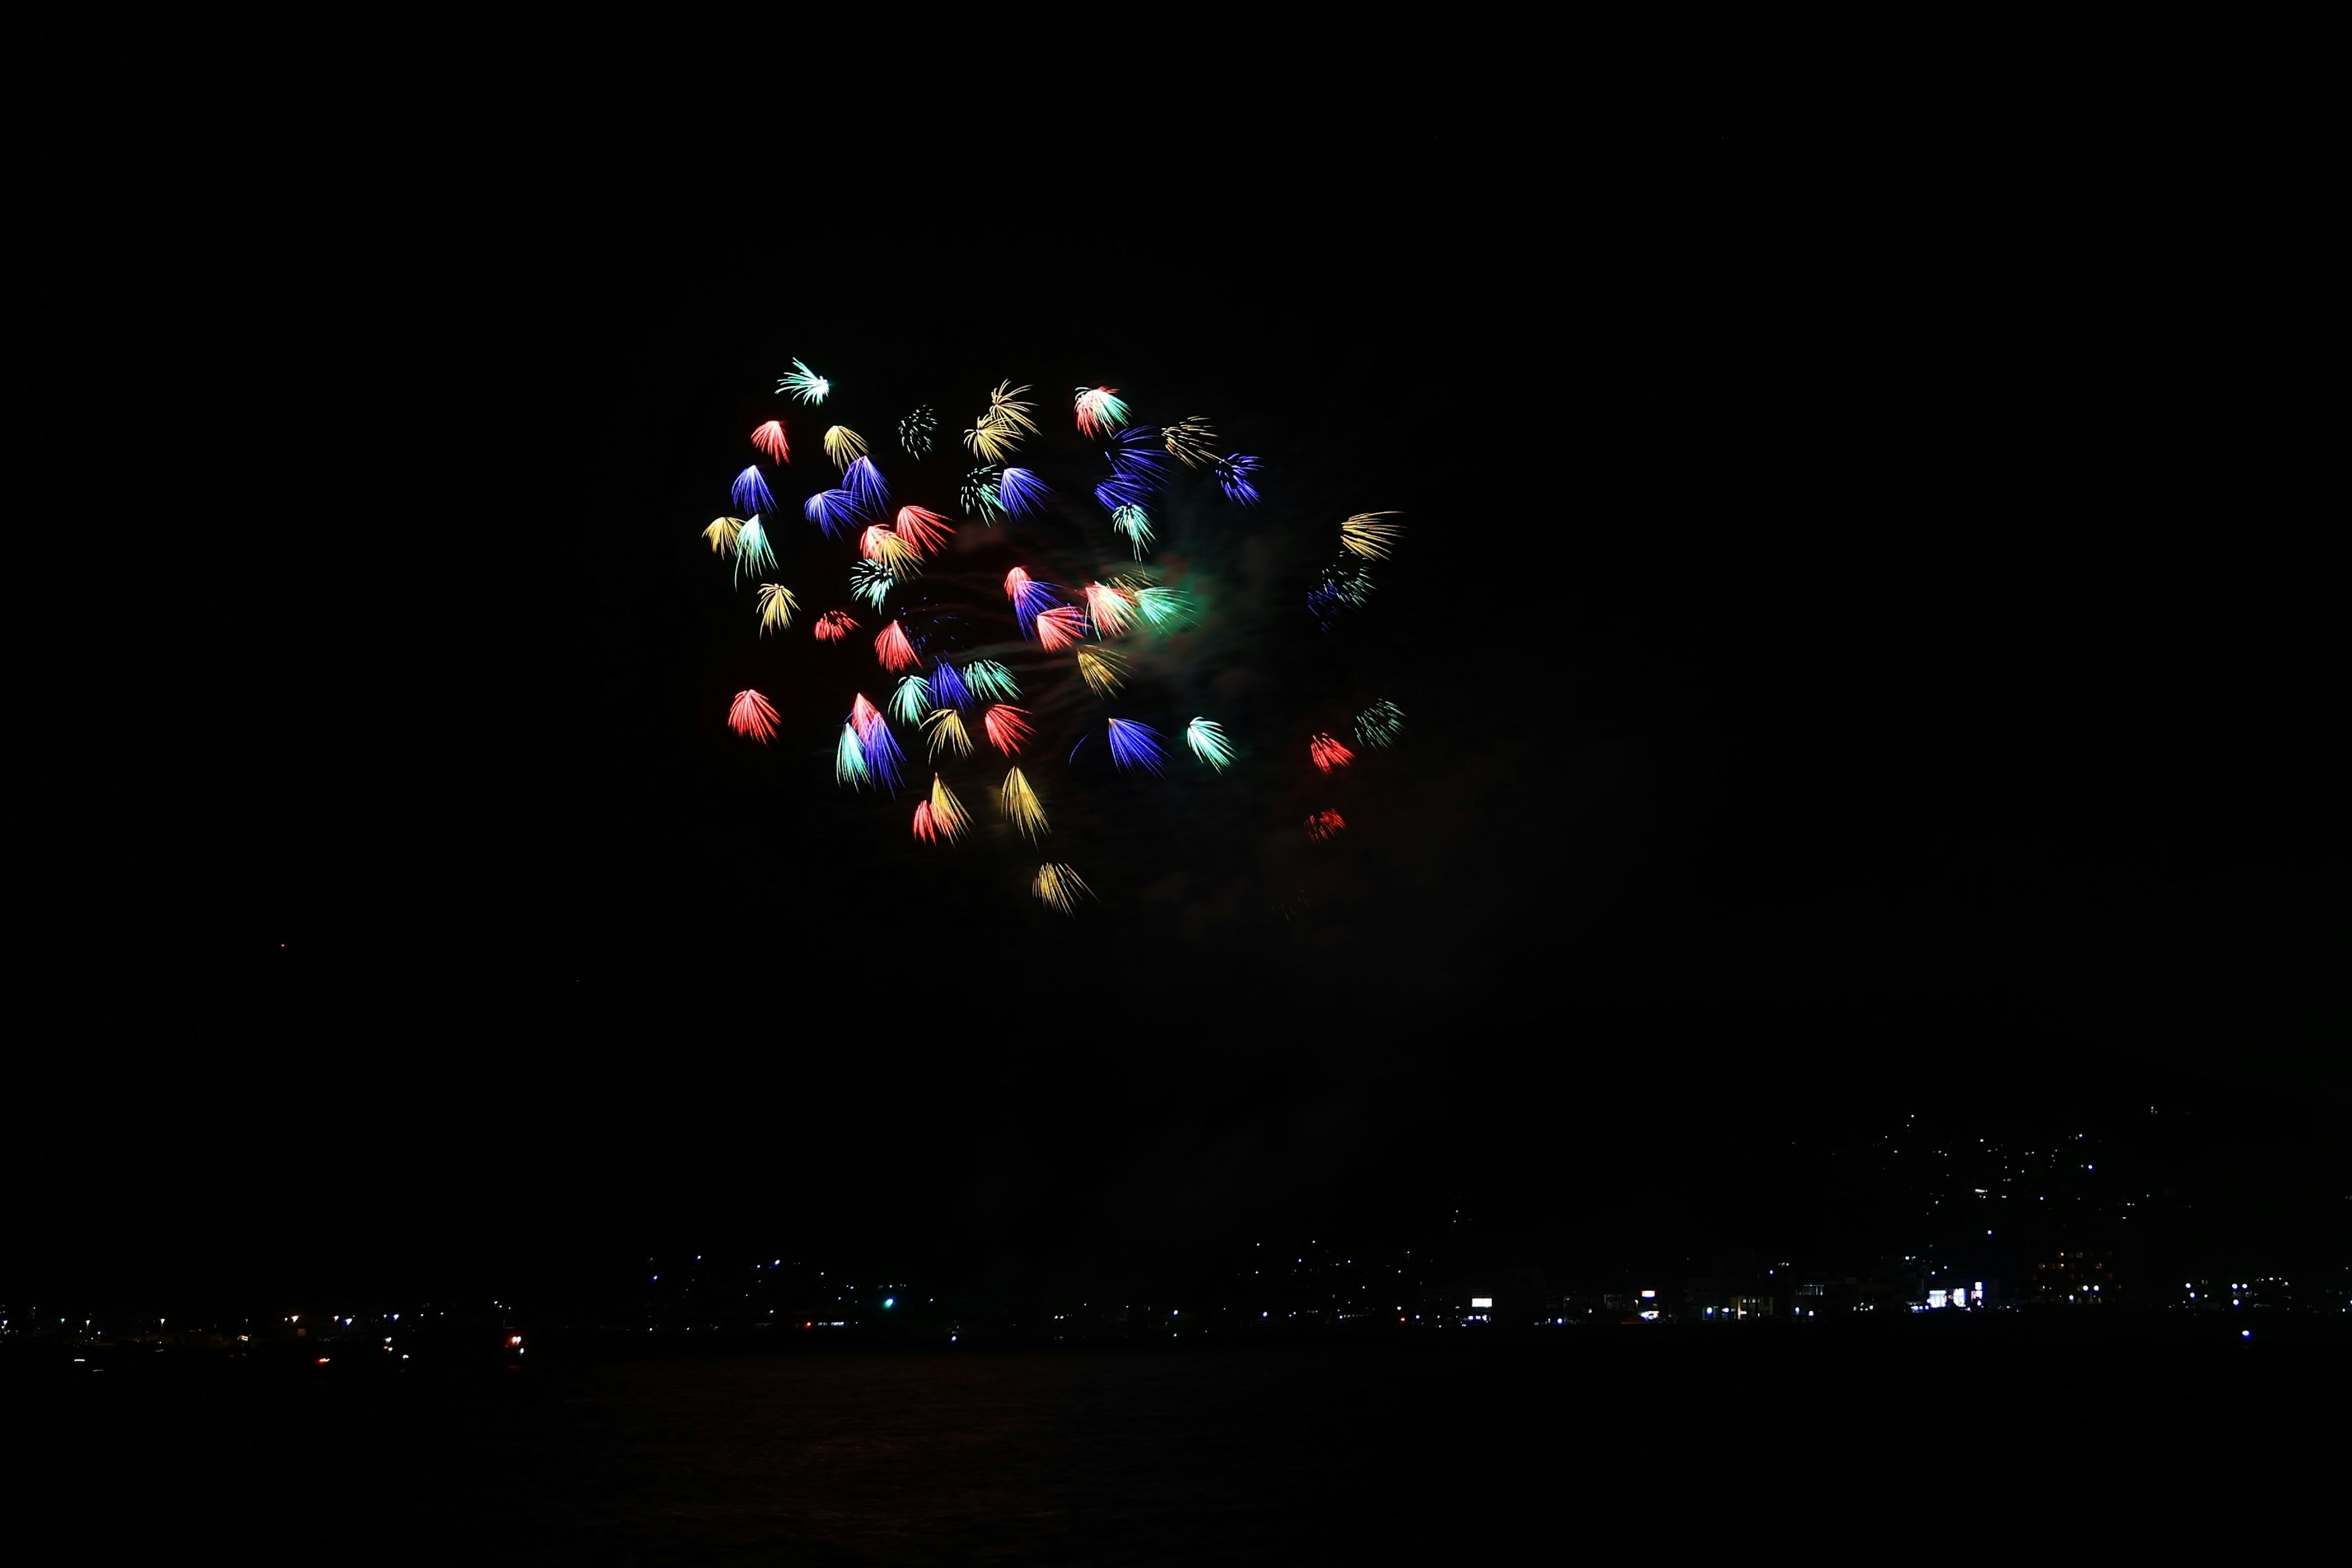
1366, 535
844, 446
892, 554
948, 733
776, 607
722, 533
946, 812
1004, 407
1101, 670
1021, 806
989, 441
1060, 886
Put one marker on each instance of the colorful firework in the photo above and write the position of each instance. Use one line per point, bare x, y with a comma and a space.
1191, 443
924, 529
722, 533
1023, 493
751, 493
1234, 472
1329, 753
948, 733
892, 554
1134, 524
842, 445
978, 493
893, 651
882, 756
1163, 607
832, 511
769, 438
947, 688
1100, 410
849, 758
1325, 825
803, 384
1060, 886
750, 714
915, 431
752, 549
923, 828
1101, 670
871, 582
776, 607
1366, 535
1119, 491
1134, 453
1134, 745
1343, 585
862, 714
991, 679
1207, 739
1030, 598
947, 811
911, 699
1059, 627
1112, 609
1004, 407
1021, 807
834, 625
863, 480
1380, 724
990, 442
1007, 727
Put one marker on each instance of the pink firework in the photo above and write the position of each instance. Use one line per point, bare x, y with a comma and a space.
1329, 753
893, 648
834, 625
751, 716
1113, 609
769, 438
926, 530
1325, 825
862, 714
1007, 727
923, 828
1015, 582
1060, 626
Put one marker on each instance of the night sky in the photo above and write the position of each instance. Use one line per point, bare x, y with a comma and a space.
1853, 662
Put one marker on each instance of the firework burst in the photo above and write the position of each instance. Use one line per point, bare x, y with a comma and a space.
1380, 724
843, 445
1006, 407
849, 758
834, 625
915, 431
893, 651
871, 582
776, 607
1101, 670
978, 494
1366, 535
1100, 411
1163, 607
948, 733
749, 492
832, 511
752, 549
1112, 609
1119, 491
1343, 585
947, 688
1234, 472
1134, 453
883, 757
1007, 727
1059, 627
1030, 598
722, 534
1191, 443
863, 480
1328, 752
1021, 807
923, 828
1023, 493
1325, 825
911, 699
946, 812
892, 554
924, 529
1133, 524
750, 714
769, 438
1060, 887
1134, 745
803, 384
1207, 739
991, 679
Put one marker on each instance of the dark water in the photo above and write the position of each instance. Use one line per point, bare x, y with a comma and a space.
1487, 1454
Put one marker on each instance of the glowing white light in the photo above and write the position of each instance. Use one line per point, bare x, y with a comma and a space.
1649, 1295
1482, 1300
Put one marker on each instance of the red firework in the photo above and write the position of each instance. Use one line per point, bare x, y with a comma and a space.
751, 716
893, 648
862, 714
1006, 726
1324, 825
1329, 753
924, 530
923, 828
834, 625
769, 438
1060, 626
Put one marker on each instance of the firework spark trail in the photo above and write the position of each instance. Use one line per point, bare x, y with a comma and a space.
1100, 410
1007, 727
923, 829
892, 554
749, 492
1134, 455
948, 733
1134, 745
990, 678
1366, 535
722, 533
863, 480
1020, 806
834, 625
893, 651
947, 688
1030, 598
1006, 407
1328, 752
946, 812
924, 529
1191, 443
1380, 724
769, 438
1060, 886
1120, 491
832, 511
849, 758
916, 430
1325, 825
1163, 607
1207, 739
1023, 493
1059, 627
978, 494
842, 443
803, 384
752, 549
1135, 524
862, 714
870, 582
911, 699
882, 755
1234, 473
1343, 585
776, 607
1101, 670
1111, 609
750, 714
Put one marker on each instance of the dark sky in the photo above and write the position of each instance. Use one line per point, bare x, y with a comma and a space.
1849, 656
